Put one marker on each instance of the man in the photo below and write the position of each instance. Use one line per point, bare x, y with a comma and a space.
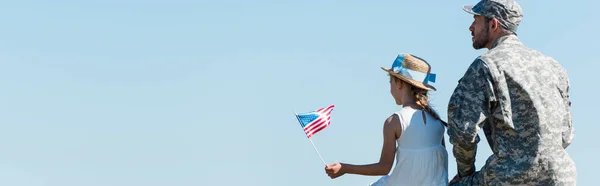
520, 98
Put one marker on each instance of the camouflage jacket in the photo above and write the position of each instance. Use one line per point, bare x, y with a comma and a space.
520, 98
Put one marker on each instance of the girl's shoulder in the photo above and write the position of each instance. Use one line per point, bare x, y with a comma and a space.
394, 123
405, 112
407, 115
394, 118
400, 116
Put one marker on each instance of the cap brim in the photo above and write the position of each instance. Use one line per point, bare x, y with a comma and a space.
469, 9
410, 81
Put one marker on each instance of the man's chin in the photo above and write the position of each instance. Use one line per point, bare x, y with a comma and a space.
477, 47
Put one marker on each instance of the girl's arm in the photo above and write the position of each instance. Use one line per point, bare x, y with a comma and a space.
391, 132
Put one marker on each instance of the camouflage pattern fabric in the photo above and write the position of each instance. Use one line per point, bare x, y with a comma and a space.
508, 12
520, 98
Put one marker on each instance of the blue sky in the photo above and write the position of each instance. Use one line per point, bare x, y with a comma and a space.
203, 93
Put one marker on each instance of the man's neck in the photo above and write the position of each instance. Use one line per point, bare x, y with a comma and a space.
494, 39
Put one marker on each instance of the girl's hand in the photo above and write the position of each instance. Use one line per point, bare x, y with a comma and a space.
334, 170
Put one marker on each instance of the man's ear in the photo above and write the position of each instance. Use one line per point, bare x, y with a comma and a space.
494, 24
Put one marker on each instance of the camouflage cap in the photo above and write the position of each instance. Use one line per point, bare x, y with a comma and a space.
507, 12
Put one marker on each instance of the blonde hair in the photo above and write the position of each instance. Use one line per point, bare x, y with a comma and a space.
422, 99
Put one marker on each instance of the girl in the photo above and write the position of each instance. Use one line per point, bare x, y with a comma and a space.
416, 129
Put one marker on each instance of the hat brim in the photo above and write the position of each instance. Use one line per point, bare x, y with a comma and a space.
410, 81
469, 9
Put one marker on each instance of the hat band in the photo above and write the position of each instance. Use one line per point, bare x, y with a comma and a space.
414, 75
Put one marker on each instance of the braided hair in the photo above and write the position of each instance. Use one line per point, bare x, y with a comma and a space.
422, 100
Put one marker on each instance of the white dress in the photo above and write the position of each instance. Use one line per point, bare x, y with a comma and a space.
421, 160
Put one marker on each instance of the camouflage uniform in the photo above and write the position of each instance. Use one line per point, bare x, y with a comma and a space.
520, 98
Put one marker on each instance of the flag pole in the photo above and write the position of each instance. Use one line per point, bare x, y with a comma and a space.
311, 142
317, 152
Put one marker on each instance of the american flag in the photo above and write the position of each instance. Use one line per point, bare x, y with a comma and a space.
313, 122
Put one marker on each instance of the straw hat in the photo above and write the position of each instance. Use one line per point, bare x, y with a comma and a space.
412, 70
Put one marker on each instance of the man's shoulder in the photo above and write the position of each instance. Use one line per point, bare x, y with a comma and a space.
480, 63
516, 58
504, 52
507, 55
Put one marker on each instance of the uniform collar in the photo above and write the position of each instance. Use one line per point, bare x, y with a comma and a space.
509, 38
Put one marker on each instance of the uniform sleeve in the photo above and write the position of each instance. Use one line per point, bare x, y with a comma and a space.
468, 110
568, 130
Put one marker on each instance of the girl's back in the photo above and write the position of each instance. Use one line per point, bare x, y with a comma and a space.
411, 137
417, 132
420, 157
